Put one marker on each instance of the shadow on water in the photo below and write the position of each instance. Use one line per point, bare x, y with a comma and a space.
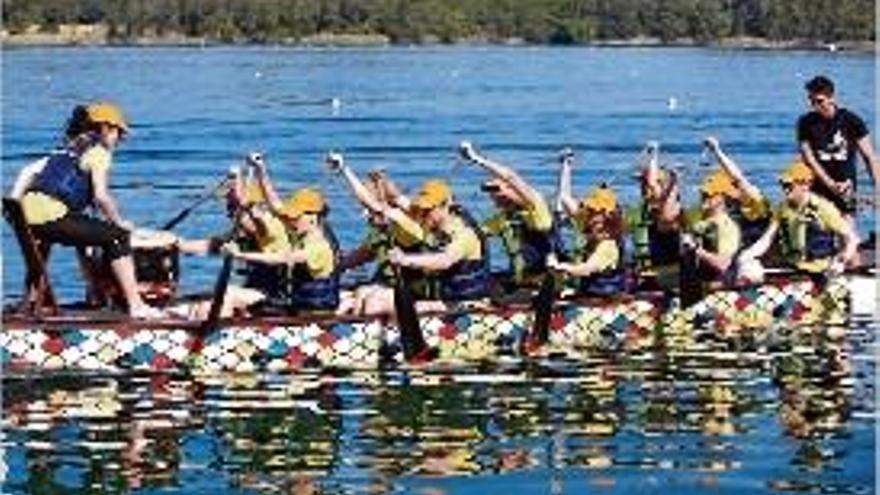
784, 410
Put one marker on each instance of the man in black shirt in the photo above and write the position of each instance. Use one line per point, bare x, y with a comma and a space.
829, 138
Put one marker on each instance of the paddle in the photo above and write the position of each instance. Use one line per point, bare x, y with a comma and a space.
542, 304
169, 225
220, 286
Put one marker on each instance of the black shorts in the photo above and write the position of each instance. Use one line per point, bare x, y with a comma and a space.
76, 229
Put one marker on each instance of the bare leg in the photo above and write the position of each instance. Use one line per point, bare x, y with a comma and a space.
123, 269
379, 302
235, 300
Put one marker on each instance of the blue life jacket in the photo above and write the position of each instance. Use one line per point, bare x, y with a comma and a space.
820, 242
63, 179
467, 279
307, 292
528, 248
603, 284
271, 280
607, 283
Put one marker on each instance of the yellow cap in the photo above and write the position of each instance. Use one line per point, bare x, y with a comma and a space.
797, 172
718, 183
600, 199
434, 193
107, 113
303, 201
253, 193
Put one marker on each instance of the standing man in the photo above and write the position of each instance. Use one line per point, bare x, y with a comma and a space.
830, 137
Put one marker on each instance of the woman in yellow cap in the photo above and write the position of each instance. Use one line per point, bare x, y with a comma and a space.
658, 233
76, 177
523, 222
715, 239
748, 206
458, 259
312, 259
598, 262
390, 226
815, 236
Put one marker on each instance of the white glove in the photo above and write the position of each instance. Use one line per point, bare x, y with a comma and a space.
467, 152
688, 241
335, 162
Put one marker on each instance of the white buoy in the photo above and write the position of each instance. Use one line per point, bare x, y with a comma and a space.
258, 74
335, 105
672, 103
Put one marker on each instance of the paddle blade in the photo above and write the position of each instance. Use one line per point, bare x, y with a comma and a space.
408, 320
543, 308
219, 295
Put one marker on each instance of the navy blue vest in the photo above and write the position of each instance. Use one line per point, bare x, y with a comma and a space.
607, 283
467, 279
63, 180
307, 292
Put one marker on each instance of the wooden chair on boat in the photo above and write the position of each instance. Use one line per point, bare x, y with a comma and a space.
38, 297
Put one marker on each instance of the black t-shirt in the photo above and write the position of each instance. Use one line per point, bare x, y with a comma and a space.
834, 141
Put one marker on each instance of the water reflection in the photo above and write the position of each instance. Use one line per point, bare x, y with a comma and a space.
789, 410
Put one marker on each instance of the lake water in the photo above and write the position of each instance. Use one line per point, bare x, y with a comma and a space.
784, 414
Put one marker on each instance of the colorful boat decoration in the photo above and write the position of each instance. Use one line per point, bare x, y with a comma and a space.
470, 333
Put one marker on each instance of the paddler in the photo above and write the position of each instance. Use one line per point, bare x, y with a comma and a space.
715, 239
290, 253
598, 262
312, 261
389, 227
815, 236
748, 206
457, 257
660, 221
523, 221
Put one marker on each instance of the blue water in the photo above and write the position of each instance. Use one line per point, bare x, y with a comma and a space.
648, 423
196, 112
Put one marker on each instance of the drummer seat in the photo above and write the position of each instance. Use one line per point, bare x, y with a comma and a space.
38, 297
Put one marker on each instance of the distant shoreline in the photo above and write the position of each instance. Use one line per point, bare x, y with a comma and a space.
89, 35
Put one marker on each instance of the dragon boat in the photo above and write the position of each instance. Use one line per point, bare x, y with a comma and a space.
472, 332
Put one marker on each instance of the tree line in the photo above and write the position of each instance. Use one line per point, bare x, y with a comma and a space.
414, 21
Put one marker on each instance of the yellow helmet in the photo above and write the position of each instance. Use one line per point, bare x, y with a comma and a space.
303, 201
107, 113
718, 183
601, 199
797, 171
434, 193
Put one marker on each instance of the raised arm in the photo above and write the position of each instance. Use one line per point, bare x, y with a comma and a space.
731, 168
522, 188
337, 164
565, 200
652, 170
258, 163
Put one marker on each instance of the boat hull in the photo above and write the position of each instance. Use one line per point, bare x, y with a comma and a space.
577, 328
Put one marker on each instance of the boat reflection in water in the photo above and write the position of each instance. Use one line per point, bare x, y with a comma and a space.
784, 409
